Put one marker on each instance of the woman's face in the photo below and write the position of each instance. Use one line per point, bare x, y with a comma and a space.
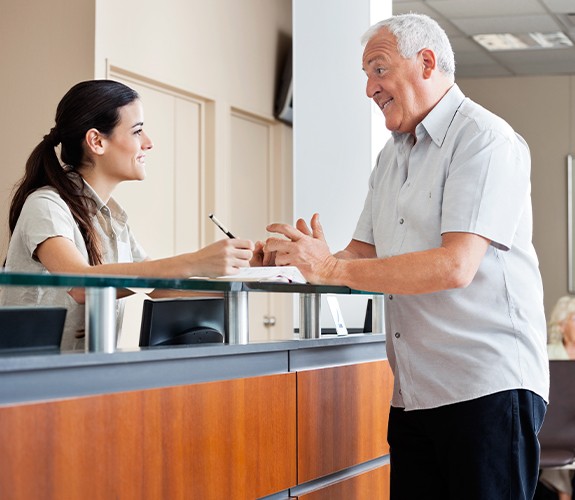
125, 148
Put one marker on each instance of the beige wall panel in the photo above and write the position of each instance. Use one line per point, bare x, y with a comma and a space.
45, 47
541, 110
253, 189
219, 49
150, 203
189, 165
250, 167
249, 176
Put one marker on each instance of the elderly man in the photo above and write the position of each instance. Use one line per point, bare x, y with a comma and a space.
446, 234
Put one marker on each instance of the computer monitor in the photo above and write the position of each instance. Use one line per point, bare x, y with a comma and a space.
31, 328
182, 321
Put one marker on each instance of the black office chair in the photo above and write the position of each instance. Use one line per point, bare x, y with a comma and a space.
557, 436
182, 321
31, 329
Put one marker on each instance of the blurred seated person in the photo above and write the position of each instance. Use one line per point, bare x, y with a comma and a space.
561, 345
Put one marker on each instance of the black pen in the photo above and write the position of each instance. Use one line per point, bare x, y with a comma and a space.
221, 226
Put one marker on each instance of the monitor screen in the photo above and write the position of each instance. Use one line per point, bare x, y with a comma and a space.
182, 321
31, 328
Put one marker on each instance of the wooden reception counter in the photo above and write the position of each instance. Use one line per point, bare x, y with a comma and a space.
300, 419
304, 418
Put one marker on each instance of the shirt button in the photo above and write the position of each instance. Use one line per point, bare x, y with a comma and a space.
400, 392
397, 335
390, 297
401, 221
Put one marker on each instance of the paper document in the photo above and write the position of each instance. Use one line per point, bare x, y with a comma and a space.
282, 274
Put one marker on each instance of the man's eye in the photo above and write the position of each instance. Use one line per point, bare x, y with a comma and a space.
379, 71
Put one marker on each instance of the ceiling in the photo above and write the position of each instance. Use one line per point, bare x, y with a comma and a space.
462, 19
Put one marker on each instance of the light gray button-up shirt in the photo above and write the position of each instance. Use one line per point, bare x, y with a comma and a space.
45, 215
468, 172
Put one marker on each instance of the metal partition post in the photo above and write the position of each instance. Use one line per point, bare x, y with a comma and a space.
309, 310
236, 319
377, 314
100, 319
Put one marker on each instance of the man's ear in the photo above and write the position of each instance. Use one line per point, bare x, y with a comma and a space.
429, 63
95, 141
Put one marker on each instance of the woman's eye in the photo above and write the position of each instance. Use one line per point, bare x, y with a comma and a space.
138, 132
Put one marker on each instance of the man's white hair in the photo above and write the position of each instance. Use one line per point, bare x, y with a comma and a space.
415, 32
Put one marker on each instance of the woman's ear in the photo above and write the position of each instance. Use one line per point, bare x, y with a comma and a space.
95, 141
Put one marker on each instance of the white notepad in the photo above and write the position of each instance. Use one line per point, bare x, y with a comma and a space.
281, 274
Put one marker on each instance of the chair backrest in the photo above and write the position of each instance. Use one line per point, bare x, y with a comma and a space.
31, 328
558, 429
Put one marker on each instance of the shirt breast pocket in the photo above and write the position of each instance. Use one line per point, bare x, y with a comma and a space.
425, 215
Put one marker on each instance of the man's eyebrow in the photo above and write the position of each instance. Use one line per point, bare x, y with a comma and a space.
370, 62
376, 59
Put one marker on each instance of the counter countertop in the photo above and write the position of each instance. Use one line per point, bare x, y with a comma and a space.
34, 377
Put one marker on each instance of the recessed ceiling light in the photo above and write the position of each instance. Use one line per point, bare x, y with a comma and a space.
552, 40
500, 41
524, 41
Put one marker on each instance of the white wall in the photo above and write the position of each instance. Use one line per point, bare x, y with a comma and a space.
332, 122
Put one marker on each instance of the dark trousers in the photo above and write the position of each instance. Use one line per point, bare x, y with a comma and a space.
483, 449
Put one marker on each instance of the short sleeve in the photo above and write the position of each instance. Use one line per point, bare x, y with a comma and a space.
487, 186
45, 215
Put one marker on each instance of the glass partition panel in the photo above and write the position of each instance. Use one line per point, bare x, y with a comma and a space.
101, 335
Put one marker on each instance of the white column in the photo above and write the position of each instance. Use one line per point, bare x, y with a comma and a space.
333, 120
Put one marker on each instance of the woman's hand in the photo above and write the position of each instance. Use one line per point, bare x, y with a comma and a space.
223, 257
261, 257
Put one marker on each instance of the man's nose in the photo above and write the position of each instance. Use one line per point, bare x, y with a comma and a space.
371, 89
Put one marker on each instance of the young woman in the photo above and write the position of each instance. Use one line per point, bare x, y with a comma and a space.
63, 218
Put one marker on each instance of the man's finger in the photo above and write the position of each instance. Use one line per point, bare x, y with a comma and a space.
316, 227
277, 245
302, 226
288, 231
269, 259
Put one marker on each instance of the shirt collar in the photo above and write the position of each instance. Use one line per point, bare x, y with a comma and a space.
116, 211
439, 119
